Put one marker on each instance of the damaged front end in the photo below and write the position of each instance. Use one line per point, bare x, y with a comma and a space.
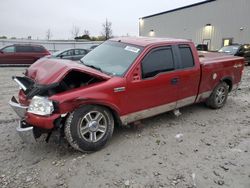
27, 132
38, 113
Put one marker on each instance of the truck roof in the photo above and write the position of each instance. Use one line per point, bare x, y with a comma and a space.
145, 41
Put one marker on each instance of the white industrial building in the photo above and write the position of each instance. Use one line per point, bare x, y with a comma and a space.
213, 22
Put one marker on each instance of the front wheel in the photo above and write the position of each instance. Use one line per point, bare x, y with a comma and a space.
218, 97
89, 128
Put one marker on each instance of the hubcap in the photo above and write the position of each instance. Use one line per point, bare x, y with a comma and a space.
220, 95
93, 126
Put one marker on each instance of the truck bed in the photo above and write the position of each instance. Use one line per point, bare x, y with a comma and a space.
215, 57
214, 67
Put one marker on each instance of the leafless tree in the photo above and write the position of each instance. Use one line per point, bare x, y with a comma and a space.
107, 30
48, 34
86, 32
75, 31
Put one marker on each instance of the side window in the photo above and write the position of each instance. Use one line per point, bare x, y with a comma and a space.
9, 49
79, 52
187, 59
24, 49
159, 60
38, 49
68, 53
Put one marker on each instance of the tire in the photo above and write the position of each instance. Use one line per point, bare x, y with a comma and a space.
219, 96
89, 128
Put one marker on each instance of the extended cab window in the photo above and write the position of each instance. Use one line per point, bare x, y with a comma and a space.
159, 60
187, 59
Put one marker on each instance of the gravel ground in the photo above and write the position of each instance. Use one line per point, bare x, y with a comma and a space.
213, 149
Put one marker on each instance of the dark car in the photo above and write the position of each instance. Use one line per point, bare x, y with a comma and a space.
21, 54
71, 54
202, 47
238, 50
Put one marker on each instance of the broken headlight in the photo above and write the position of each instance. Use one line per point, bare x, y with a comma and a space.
41, 106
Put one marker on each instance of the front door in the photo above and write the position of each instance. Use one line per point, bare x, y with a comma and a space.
7, 55
152, 87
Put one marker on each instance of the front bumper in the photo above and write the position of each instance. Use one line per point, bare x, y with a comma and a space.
19, 109
42, 122
24, 130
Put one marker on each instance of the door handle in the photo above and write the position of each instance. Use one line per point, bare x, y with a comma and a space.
174, 81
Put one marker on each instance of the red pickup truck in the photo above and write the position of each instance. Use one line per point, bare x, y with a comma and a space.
122, 81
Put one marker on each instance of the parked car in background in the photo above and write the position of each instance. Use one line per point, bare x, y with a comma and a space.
238, 50
71, 54
21, 54
202, 47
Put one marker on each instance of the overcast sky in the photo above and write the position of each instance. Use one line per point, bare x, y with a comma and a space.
23, 18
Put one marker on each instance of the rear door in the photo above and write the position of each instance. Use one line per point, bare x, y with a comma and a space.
188, 75
152, 88
25, 55
39, 51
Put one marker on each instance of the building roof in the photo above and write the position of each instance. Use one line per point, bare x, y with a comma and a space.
145, 41
177, 9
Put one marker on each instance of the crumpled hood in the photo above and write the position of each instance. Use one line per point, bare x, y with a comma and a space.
47, 71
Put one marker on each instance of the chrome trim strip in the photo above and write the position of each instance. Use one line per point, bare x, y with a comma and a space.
238, 66
185, 101
147, 113
161, 109
203, 95
20, 84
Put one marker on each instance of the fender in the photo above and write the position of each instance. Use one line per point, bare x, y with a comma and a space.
70, 105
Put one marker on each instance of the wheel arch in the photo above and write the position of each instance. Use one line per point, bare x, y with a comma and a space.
229, 81
112, 109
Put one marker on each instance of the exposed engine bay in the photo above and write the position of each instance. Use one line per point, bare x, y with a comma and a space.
74, 79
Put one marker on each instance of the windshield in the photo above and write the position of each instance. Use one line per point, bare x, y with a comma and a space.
112, 57
229, 49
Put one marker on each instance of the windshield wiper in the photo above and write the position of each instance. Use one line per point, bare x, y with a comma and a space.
92, 66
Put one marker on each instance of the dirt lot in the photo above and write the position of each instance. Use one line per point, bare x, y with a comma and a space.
214, 150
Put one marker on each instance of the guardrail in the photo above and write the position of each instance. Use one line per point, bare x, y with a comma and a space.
52, 45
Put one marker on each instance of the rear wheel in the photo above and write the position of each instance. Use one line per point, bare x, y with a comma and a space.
89, 128
218, 97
